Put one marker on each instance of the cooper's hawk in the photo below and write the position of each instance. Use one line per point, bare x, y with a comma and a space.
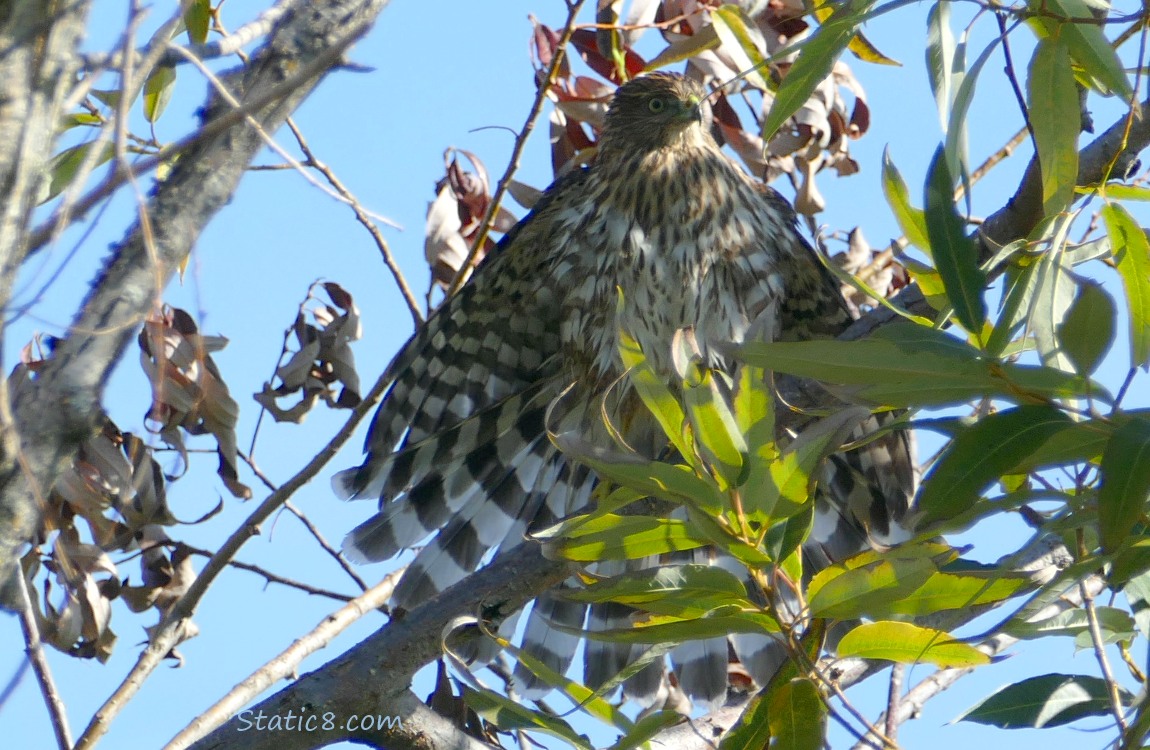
459, 446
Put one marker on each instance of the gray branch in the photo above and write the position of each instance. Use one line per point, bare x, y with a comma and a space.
38, 62
374, 677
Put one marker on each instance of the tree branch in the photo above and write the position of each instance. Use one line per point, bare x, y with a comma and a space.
373, 676
38, 62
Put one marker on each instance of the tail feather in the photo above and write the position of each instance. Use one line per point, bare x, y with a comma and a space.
701, 667
502, 493
434, 480
547, 643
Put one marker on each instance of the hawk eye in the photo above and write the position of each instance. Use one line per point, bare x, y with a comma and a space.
656, 105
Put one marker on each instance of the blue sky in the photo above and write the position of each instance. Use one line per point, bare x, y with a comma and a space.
439, 72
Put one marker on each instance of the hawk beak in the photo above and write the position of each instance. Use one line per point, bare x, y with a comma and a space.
692, 110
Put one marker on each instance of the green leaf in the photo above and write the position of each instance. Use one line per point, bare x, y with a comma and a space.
909, 644
754, 407
158, 91
1137, 591
785, 487
1051, 297
509, 715
717, 433
676, 483
814, 63
1049, 700
944, 62
904, 364
949, 591
1125, 482
911, 220
1118, 191
1088, 329
590, 701
1072, 622
1088, 45
955, 255
955, 145
646, 728
65, 164
730, 24
978, 456
839, 592
614, 537
662, 628
654, 392
1052, 97
685, 591
198, 20
797, 716
706, 38
1132, 257
1018, 296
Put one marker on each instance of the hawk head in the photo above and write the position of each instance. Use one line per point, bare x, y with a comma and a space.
657, 111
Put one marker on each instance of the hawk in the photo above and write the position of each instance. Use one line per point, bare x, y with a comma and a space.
459, 447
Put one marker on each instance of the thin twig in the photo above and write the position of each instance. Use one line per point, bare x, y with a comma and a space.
311, 527
34, 647
271, 143
270, 577
1012, 77
327, 547
573, 8
890, 727
363, 218
285, 663
1100, 654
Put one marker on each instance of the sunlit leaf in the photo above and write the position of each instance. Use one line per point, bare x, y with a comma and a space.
840, 592
909, 644
905, 364
911, 220
717, 433
950, 591
158, 91
681, 590
730, 23
943, 62
646, 728
509, 715
66, 163
198, 20
1132, 257
614, 537
1072, 622
797, 715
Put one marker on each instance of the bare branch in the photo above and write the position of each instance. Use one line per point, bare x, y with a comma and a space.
39, 62
35, 650
374, 676
285, 664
